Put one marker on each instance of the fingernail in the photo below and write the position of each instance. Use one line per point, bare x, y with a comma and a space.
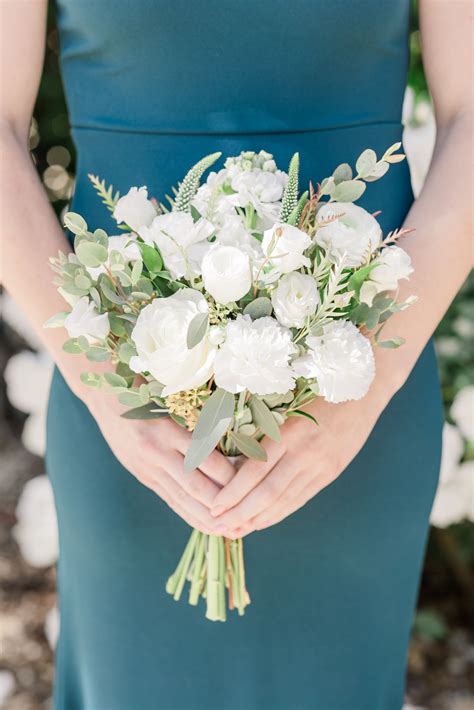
220, 529
217, 511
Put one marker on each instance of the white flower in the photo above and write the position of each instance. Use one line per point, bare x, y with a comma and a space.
233, 233
178, 238
255, 356
135, 209
295, 298
454, 500
341, 360
160, 338
36, 530
283, 245
355, 233
452, 451
262, 190
226, 273
52, 624
462, 411
211, 202
392, 265
84, 319
125, 245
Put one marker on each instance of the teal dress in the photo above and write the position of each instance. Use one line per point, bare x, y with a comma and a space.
153, 85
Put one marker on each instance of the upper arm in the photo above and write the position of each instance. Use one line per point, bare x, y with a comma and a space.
446, 34
22, 44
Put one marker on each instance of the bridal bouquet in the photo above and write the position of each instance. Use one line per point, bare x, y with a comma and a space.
236, 305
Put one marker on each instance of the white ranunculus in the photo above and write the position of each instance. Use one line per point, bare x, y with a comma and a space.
392, 265
125, 245
84, 319
179, 239
36, 530
295, 298
341, 360
284, 247
462, 411
160, 335
255, 356
135, 209
353, 232
226, 273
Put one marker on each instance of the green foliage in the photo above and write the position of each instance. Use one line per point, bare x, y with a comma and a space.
189, 186
290, 196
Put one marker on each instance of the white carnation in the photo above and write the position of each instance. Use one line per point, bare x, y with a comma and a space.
160, 335
341, 360
284, 247
85, 320
353, 232
255, 356
226, 273
135, 209
462, 411
392, 265
295, 298
181, 241
125, 245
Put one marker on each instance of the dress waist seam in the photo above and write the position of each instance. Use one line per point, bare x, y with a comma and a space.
284, 131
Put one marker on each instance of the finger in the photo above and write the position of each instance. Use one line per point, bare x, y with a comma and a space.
188, 506
249, 476
290, 502
216, 466
195, 483
262, 497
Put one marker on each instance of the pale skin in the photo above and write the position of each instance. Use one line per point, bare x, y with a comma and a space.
307, 459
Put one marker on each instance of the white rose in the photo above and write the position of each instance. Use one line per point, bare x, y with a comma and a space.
295, 298
226, 273
393, 264
255, 356
341, 360
178, 238
84, 319
283, 245
135, 209
125, 245
354, 233
160, 335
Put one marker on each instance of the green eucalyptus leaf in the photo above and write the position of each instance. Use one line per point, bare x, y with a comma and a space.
82, 282
130, 399
197, 330
101, 237
302, 413
110, 294
366, 162
144, 393
392, 343
125, 352
75, 223
348, 190
136, 271
56, 321
358, 277
214, 420
195, 214
327, 186
115, 380
146, 411
263, 418
248, 446
259, 308
91, 254
98, 354
379, 171
151, 258
91, 379
342, 173
71, 346
116, 325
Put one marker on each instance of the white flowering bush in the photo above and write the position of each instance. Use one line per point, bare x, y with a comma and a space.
232, 309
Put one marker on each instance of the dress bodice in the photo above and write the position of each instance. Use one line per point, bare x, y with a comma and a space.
233, 66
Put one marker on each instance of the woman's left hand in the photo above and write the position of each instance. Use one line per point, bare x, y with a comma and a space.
306, 460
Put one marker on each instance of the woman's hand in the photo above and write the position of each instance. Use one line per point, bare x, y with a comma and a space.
306, 460
153, 451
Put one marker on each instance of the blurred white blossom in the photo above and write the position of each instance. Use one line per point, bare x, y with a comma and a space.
27, 378
454, 500
51, 626
7, 686
36, 530
462, 411
17, 320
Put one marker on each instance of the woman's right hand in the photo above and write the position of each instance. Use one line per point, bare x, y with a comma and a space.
153, 451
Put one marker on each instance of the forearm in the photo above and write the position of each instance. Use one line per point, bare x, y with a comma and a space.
440, 248
31, 234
